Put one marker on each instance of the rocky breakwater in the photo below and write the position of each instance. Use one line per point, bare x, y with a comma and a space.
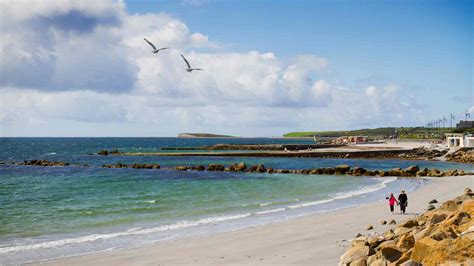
465, 155
422, 154
412, 171
134, 166
107, 152
440, 236
43, 163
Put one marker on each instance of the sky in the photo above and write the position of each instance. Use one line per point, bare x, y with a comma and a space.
82, 68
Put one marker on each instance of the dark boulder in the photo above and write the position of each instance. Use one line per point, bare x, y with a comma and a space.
412, 170
103, 152
215, 167
342, 169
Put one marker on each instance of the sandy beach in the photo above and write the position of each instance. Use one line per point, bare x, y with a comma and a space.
311, 240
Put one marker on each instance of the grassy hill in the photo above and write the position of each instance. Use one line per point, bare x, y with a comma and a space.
382, 132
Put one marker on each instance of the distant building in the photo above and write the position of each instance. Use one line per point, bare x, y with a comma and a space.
465, 124
351, 139
459, 140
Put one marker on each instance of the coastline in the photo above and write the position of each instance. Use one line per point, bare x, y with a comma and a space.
320, 237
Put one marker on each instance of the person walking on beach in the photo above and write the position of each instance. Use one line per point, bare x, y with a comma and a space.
391, 201
403, 201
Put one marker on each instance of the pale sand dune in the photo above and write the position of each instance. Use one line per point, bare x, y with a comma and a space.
311, 240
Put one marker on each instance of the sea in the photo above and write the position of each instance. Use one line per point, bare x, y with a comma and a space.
52, 212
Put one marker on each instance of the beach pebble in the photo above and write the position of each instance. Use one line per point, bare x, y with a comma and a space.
392, 222
369, 227
433, 201
430, 207
383, 222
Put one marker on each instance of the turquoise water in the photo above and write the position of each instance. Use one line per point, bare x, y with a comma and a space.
48, 212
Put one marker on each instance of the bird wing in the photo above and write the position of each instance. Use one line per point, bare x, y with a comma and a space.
151, 44
187, 63
164, 48
198, 69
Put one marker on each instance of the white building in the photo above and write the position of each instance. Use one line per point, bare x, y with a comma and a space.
459, 140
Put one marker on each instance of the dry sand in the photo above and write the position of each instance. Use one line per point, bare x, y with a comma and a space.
312, 240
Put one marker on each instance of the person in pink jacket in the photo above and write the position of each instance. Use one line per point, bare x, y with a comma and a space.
391, 201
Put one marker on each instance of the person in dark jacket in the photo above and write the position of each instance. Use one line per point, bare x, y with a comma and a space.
403, 201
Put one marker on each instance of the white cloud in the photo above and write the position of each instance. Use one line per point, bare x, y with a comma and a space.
89, 66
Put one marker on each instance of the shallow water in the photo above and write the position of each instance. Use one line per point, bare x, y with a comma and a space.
48, 212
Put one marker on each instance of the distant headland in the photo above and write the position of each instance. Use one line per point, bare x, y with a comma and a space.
202, 135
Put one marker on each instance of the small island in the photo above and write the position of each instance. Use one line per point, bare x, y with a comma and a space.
202, 135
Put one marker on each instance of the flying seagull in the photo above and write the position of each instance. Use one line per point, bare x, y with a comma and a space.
155, 51
189, 69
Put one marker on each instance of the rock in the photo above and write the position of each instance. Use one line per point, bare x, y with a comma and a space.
328, 171
200, 168
359, 241
405, 257
342, 169
215, 167
443, 233
469, 233
409, 223
458, 219
422, 173
270, 170
358, 171
467, 191
467, 206
410, 263
103, 152
412, 170
396, 172
383, 222
261, 168
240, 166
433, 201
389, 235
371, 173
359, 262
182, 168
313, 172
449, 205
435, 173
392, 222
374, 241
369, 227
355, 253
429, 251
400, 230
358, 235
430, 207
406, 242
391, 254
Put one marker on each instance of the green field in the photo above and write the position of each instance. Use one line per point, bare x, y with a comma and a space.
382, 132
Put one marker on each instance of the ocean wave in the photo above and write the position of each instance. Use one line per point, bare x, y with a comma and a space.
130, 232
365, 190
310, 203
270, 211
